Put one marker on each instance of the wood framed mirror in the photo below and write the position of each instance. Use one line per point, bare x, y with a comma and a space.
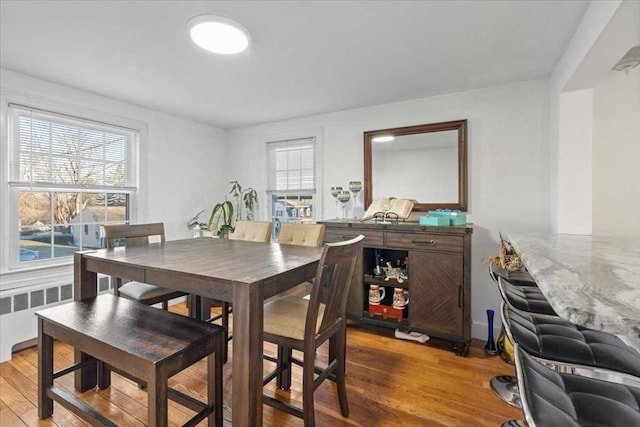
427, 163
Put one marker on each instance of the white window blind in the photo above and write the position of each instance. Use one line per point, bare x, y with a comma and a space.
57, 151
291, 166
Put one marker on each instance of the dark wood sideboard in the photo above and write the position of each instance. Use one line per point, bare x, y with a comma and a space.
438, 263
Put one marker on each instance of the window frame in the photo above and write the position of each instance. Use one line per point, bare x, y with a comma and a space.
315, 138
9, 198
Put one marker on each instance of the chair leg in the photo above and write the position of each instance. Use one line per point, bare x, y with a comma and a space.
205, 314
340, 372
283, 380
104, 375
45, 372
308, 387
214, 383
225, 325
205, 308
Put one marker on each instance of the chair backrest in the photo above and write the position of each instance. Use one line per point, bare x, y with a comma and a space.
301, 234
133, 235
331, 287
252, 231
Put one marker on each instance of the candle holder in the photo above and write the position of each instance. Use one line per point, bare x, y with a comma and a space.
344, 197
334, 192
355, 187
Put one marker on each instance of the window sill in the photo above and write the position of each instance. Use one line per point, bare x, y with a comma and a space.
19, 277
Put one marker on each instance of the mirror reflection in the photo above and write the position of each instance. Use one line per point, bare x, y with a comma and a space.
421, 166
426, 163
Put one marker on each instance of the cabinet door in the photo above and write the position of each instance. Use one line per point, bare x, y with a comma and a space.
435, 292
355, 300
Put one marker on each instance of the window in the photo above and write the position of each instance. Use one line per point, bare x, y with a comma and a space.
67, 178
291, 186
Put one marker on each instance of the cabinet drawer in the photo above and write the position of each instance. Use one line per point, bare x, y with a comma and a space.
424, 241
371, 238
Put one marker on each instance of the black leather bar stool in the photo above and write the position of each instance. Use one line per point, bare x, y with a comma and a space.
570, 347
518, 278
552, 399
528, 299
525, 298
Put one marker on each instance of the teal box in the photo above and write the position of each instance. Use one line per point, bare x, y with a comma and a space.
438, 221
458, 218
453, 217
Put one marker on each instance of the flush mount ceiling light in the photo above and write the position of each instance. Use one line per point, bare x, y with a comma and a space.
385, 138
218, 34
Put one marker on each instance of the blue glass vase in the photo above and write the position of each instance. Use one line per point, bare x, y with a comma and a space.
490, 347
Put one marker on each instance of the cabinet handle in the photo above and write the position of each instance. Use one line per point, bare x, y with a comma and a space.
459, 296
424, 242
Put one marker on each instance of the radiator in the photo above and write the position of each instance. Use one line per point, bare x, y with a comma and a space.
18, 323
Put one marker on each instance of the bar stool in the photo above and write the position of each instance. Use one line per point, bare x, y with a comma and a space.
520, 278
525, 298
528, 299
572, 348
551, 399
567, 347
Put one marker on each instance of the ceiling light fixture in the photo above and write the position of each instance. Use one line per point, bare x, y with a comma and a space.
385, 138
218, 34
630, 60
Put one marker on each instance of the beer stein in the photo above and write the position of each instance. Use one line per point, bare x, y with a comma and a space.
400, 298
376, 294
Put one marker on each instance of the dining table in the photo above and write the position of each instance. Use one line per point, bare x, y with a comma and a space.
243, 273
590, 280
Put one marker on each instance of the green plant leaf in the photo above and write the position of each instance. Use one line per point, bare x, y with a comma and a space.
222, 211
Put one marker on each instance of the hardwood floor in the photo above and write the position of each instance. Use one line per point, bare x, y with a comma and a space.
390, 382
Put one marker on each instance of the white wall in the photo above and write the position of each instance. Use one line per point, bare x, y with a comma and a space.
616, 154
607, 31
508, 161
183, 167
575, 111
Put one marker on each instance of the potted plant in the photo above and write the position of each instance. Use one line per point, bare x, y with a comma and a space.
221, 219
247, 197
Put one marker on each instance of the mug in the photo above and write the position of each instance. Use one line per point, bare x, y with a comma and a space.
400, 297
376, 294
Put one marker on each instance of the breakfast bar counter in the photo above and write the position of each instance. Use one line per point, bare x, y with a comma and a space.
592, 281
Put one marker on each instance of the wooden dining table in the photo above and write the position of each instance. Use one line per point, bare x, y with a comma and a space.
244, 273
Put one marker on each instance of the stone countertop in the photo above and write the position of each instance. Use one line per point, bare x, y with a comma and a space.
592, 281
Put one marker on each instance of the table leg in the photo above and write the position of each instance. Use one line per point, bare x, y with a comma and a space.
85, 285
45, 372
247, 355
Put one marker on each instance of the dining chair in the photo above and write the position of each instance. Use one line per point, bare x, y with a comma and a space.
252, 231
293, 323
133, 236
301, 234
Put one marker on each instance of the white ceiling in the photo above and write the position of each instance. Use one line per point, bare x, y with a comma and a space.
307, 57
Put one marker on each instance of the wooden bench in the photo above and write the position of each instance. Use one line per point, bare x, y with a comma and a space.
142, 343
